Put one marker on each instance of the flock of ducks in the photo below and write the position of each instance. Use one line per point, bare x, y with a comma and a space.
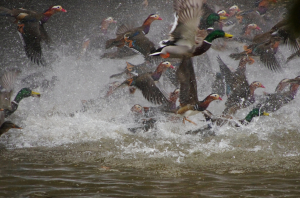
193, 33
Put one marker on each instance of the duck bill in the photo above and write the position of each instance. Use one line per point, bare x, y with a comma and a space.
159, 18
262, 86
63, 10
222, 17
35, 94
171, 66
228, 35
220, 98
266, 114
17, 127
257, 28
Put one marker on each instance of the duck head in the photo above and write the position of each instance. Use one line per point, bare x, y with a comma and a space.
154, 17
110, 20
217, 34
213, 97
212, 18
26, 92
137, 109
8, 125
233, 10
222, 13
250, 27
254, 113
256, 84
57, 8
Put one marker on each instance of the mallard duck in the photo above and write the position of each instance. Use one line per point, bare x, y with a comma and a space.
146, 83
7, 81
209, 17
31, 29
188, 98
224, 119
6, 126
275, 101
184, 38
123, 29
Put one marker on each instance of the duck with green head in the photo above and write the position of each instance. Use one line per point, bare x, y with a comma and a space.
224, 119
184, 40
210, 21
7, 82
23, 93
6, 126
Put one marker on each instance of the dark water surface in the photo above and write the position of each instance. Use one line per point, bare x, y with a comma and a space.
92, 154
55, 172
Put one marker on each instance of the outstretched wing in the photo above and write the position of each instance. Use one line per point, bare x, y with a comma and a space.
188, 85
149, 90
31, 37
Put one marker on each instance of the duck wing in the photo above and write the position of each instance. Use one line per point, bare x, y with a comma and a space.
267, 57
7, 82
44, 35
149, 90
226, 72
188, 85
31, 37
188, 14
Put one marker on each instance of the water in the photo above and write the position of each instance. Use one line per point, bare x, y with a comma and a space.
63, 151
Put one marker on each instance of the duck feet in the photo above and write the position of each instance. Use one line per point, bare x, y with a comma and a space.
184, 118
247, 50
251, 60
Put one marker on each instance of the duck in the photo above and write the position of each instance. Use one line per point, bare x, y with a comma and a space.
242, 94
233, 10
209, 17
255, 15
241, 97
146, 83
184, 38
30, 26
224, 119
188, 98
6, 126
237, 78
248, 33
283, 30
123, 29
7, 81
275, 101
139, 110
266, 52
139, 43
